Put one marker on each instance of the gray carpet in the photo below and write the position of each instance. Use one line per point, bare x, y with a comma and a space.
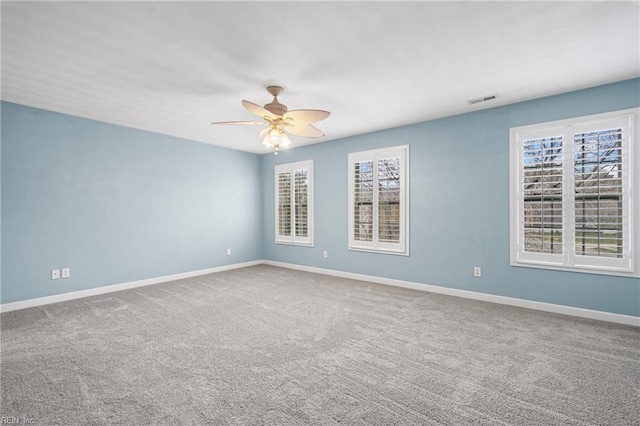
265, 345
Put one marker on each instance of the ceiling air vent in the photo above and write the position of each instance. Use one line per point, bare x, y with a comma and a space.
483, 99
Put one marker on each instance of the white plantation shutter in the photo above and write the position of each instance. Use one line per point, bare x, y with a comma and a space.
542, 190
300, 185
363, 185
294, 203
572, 205
283, 213
389, 186
599, 188
378, 200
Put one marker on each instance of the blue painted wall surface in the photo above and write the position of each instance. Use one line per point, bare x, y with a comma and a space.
459, 205
116, 204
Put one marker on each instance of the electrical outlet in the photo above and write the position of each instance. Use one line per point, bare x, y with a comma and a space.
55, 274
229, 252
325, 254
477, 271
66, 272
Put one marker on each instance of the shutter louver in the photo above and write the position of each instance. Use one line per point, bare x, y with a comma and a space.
284, 204
389, 200
598, 171
301, 207
542, 190
363, 201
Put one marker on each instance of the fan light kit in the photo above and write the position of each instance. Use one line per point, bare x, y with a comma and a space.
278, 120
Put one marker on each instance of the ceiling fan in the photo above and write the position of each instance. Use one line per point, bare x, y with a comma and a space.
278, 120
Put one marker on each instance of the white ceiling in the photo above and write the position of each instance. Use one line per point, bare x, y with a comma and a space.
174, 67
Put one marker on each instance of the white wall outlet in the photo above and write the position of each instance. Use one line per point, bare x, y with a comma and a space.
477, 271
228, 252
55, 274
325, 254
66, 272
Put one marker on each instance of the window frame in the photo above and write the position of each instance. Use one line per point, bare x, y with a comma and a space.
402, 247
569, 260
294, 239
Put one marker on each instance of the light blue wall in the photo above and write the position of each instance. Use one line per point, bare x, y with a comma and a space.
116, 204
459, 205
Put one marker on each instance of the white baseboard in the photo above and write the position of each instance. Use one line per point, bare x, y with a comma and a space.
503, 300
30, 303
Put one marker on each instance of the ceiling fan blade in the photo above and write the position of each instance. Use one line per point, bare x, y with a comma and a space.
307, 116
258, 110
249, 123
306, 130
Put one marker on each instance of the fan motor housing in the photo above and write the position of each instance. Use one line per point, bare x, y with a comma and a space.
276, 107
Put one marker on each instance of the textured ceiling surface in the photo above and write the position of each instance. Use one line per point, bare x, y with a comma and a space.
174, 67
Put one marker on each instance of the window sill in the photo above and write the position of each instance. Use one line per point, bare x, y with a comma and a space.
369, 250
295, 243
578, 269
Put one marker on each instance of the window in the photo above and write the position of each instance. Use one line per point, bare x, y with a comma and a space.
294, 203
378, 200
574, 194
